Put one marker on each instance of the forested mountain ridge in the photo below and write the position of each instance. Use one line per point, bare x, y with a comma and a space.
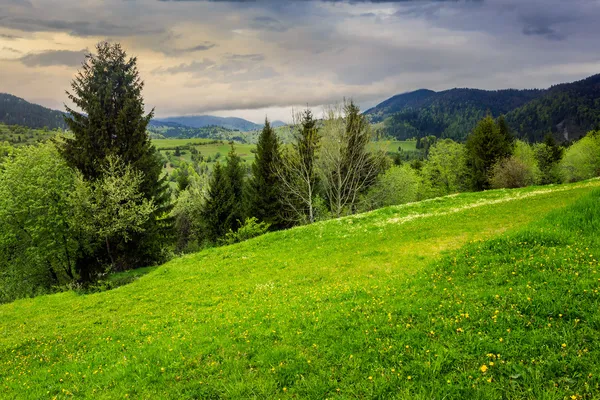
567, 110
450, 114
17, 111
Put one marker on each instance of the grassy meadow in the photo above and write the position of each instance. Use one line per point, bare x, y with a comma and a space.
489, 295
208, 148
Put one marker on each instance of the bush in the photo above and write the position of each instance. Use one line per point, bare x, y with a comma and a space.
582, 160
445, 171
397, 185
512, 173
250, 229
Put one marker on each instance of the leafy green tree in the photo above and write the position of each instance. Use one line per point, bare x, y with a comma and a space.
263, 194
445, 170
397, 185
109, 211
489, 143
38, 245
108, 91
582, 159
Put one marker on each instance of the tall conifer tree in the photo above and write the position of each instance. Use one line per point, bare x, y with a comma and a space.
489, 143
112, 122
263, 194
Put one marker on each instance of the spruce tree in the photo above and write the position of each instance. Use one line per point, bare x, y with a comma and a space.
489, 143
263, 194
235, 173
218, 206
108, 92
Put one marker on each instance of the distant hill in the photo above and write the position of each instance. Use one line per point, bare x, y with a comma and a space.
17, 111
451, 113
567, 110
201, 121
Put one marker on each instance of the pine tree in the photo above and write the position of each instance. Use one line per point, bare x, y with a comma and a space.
219, 204
108, 91
235, 173
263, 194
489, 143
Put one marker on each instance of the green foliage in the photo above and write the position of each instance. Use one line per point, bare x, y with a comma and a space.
548, 155
582, 159
251, 228
519, 170
397, 185
223, 208
108, 90
347, 308
17, 135
263, 192
489, 143
37, 241
445, 170
107, 212
187, 215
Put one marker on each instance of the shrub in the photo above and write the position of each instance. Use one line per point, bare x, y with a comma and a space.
397, 185
512, 173
582, 160
250, 229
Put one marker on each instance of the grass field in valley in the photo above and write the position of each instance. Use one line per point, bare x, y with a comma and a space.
207, 148
488, 295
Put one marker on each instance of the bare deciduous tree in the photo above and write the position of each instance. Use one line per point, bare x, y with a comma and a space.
297, 170
346, 166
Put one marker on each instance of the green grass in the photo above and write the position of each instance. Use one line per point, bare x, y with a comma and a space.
21, 136
404, 302
170, 143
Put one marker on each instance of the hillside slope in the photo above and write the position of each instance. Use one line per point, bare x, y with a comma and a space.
407, 301
17, 111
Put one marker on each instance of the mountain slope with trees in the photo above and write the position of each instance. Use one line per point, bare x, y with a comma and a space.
17, 111
567, 111
202, 121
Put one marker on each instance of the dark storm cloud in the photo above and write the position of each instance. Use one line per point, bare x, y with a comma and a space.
54, 58
79, 28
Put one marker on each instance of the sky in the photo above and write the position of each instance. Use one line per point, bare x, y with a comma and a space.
260, 58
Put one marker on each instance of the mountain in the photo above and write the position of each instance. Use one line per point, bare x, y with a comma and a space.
398, 103
201, 121
568, 110
451, 113
17, 111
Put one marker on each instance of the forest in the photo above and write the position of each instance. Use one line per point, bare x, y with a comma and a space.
80, 205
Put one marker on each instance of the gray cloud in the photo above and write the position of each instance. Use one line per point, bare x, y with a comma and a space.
8, 37
54, 58
280, 53
10, 49
172, 51
79, 28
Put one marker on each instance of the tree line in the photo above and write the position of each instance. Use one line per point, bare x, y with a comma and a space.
95, 201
